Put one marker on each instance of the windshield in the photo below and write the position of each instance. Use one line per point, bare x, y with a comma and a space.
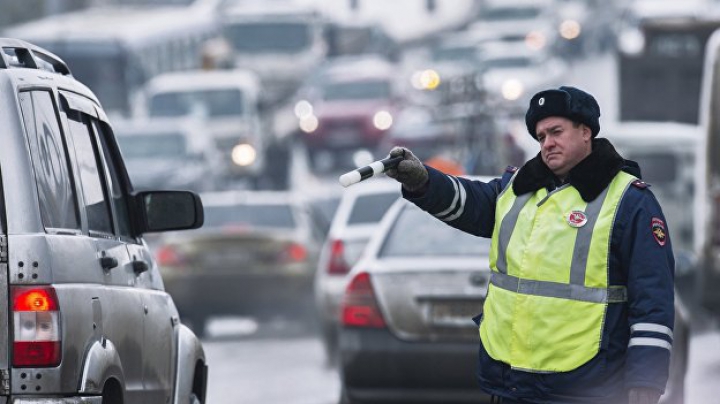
267, 37
455, 53
510, 13
357, 90
350, 41
507, 63
273, 216
430, 237
155, 146
658, 169
371, 208
207, 103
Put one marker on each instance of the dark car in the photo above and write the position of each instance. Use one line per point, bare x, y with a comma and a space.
349, 106
255, 256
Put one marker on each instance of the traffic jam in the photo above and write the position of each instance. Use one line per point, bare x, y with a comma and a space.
359, 201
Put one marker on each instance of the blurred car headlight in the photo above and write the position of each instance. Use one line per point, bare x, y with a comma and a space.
243, 154
427, 79
535, 40
303, 109
570, 29
382, 120
309, 124
632, 42
512, 89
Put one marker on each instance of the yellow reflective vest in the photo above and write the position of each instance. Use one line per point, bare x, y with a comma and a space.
549, 290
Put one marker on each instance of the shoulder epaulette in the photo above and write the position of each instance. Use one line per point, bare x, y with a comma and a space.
640, 184
511, 169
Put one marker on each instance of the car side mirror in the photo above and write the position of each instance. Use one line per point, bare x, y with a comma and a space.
169, 210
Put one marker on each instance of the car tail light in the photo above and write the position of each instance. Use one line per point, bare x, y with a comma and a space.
360, 308
294, 252
169, 256
36, 325
337, 264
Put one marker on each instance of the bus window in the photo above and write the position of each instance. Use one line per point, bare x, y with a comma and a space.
114, 52
658, 169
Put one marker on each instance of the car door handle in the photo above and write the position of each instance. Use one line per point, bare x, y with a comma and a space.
108, 262
140, 266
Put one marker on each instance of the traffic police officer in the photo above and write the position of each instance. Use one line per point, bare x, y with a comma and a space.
580, 303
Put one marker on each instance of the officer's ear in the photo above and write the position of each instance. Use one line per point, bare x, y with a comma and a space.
586, 132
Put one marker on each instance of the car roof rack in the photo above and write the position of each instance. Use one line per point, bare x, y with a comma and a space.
20, 54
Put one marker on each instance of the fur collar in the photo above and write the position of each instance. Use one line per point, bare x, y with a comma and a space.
589, 177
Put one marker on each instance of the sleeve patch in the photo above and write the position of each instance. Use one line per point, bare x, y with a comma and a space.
640, 184
658, 230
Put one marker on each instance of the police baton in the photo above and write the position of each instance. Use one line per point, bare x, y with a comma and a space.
374, 168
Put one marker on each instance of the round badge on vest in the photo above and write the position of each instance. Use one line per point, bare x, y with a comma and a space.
577, 218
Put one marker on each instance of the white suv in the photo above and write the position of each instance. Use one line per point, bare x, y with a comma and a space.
356, 219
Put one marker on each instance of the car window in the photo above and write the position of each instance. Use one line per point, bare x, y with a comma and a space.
280, 36
156, 146
657, 168
94, 188
371, 208
430, 237
510, 13
211, 103
357, 90
457, 53
507, 63
277, 216
48, 151
119, 198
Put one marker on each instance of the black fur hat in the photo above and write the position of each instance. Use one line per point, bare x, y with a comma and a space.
568, 102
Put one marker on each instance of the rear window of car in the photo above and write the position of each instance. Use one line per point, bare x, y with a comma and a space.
212, 103
416, 233
371, 208
274, 216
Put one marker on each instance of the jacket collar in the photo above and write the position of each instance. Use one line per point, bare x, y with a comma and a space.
590, 177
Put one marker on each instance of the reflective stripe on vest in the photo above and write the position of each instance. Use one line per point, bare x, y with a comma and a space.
549, 289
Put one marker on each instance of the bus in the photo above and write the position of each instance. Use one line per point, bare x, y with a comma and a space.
115, 49
660, 56
282, 43
707, 191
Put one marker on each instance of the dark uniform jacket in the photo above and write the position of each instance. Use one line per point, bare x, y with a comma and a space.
641, 259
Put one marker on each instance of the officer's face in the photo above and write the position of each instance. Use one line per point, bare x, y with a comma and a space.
563, 144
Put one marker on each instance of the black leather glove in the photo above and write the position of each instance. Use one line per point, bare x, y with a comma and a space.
641, 395
410, 172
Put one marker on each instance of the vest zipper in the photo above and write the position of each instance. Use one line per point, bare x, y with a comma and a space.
552, 192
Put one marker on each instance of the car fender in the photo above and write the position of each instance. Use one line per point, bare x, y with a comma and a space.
101, 363
190, 353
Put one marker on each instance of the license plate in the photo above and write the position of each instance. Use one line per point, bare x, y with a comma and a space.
344, 138
233, 258
454, 313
